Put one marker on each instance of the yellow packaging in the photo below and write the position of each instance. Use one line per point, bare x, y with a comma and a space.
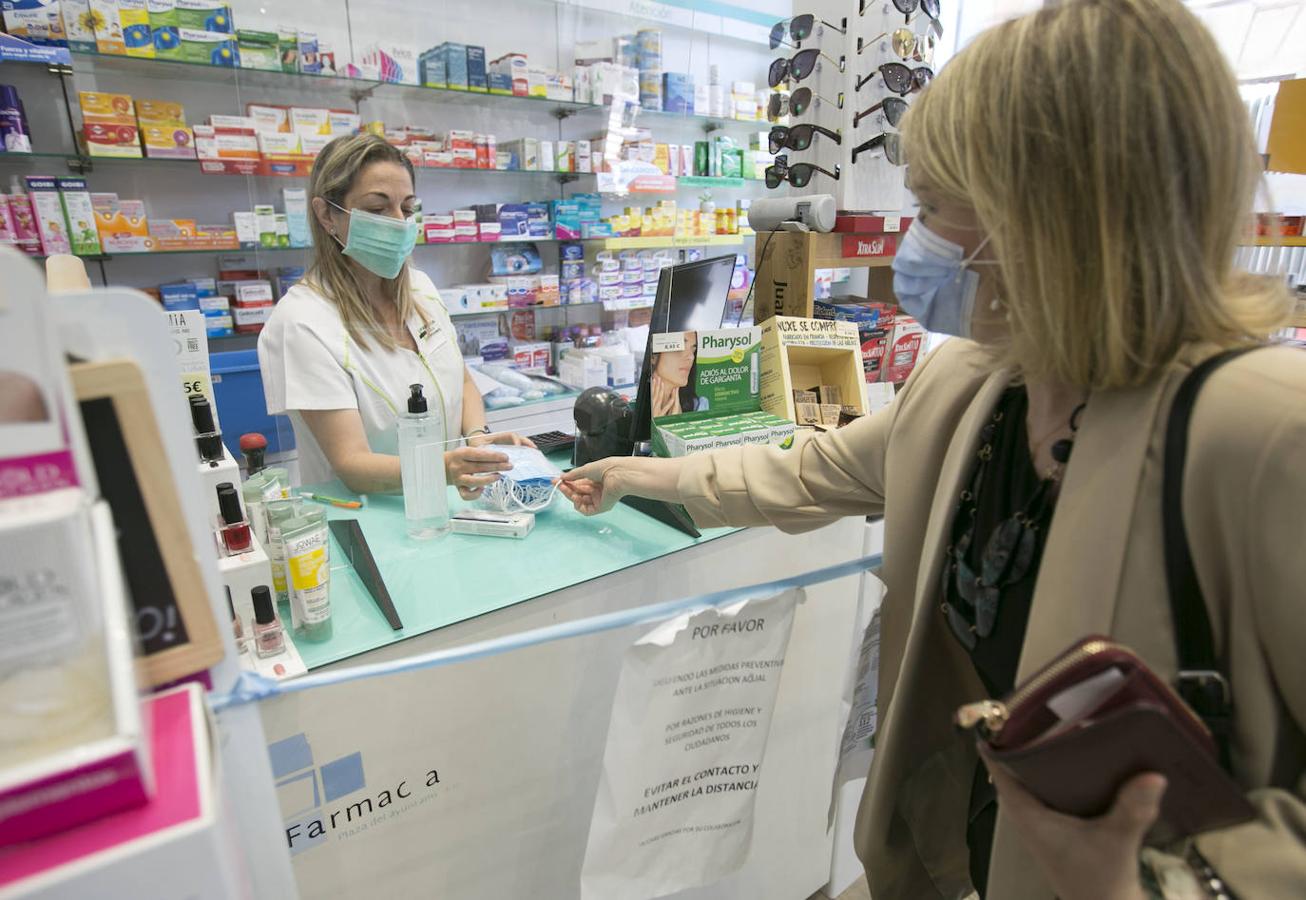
662, 159
138, 40
160, 112
94, 103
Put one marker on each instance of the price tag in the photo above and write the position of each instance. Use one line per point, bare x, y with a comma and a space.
191, 346
892, 224
669, 342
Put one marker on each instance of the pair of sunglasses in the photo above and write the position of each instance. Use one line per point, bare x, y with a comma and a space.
799, 66
800, 28
899, 79
928, 8
799, 137
894, 109
891, 143
905, 45
797, 103
799, 176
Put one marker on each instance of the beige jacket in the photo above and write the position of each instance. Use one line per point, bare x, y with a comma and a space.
1102, 573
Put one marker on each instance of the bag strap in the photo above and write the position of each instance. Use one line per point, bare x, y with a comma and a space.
1200, 682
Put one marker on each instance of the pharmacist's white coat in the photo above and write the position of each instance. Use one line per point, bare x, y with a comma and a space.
309, 361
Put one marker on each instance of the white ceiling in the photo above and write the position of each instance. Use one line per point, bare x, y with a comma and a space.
1261, 38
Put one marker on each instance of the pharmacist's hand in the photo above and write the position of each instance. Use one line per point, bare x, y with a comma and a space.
593, 489
502, 437
470, 469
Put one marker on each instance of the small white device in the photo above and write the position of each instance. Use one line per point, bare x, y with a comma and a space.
812, 213
493, 524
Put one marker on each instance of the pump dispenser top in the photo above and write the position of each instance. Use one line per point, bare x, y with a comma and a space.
416, 400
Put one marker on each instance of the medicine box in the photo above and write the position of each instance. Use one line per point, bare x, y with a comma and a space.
79, 26
476, 74
211, 48
43, 192
35, 21
204, 15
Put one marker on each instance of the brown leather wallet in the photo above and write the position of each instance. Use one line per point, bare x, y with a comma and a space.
1093, 718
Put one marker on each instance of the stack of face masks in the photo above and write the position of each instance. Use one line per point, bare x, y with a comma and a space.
529, 486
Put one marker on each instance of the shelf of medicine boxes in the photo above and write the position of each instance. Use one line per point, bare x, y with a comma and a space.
358, 89
83, 164
716, 240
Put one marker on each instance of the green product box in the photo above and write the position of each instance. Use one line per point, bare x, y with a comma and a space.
82, 233
732, 164
213, 48
288, 48
165, 28
204, 15
265, 221
728, 369
702, 156
259, 50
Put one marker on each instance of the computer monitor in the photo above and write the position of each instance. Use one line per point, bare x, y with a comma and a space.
690, 297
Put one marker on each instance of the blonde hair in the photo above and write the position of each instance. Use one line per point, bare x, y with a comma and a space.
331, 273
1106, 152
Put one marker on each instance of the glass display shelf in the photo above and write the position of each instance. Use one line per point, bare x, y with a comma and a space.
603, 243
1277, 241
357, 88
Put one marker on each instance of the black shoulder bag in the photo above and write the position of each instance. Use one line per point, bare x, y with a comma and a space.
1200, 682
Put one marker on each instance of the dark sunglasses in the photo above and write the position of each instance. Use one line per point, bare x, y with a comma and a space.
899, 79
799, 175
799, 137
894, 109
800, 28
906, 7
797, 103
891, 143
799, 66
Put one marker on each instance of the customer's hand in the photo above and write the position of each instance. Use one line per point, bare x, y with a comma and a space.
1084, 858
470, 469
593, 489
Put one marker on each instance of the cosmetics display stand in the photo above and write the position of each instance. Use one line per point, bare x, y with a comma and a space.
116, 324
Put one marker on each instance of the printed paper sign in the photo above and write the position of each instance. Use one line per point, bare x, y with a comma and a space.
191, 345
685, 750
669, 342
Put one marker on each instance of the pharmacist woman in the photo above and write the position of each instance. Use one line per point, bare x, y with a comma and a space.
343, 346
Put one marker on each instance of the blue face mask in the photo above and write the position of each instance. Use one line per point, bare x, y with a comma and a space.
933, 281
379, 244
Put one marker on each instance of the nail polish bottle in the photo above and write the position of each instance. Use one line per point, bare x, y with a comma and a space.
208, 440
235, 530
237, 630
269, 639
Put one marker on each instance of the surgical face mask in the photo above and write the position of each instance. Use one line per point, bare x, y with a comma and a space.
529, 485
934, 282
379, 244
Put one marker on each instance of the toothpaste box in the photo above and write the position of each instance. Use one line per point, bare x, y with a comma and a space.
43, 193
80, 215
36, 21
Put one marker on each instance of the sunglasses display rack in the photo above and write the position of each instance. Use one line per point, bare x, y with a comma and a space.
843, 78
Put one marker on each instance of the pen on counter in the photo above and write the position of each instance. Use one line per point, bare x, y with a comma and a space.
331, 501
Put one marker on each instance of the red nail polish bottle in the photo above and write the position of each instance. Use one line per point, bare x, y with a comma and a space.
235, 530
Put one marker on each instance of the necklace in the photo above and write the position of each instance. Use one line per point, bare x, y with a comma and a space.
1011, 548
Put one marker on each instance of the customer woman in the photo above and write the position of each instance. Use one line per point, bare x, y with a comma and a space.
1084, 175
342, 348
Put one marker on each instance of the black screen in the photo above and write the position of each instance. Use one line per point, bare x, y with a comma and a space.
691, 297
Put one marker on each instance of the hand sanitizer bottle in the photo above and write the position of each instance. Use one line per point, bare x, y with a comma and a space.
421, 464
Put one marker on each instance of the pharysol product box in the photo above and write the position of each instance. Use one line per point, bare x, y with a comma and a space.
728, 369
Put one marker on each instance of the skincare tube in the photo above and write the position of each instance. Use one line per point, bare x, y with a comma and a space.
252, 490
278, 512
308, 573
